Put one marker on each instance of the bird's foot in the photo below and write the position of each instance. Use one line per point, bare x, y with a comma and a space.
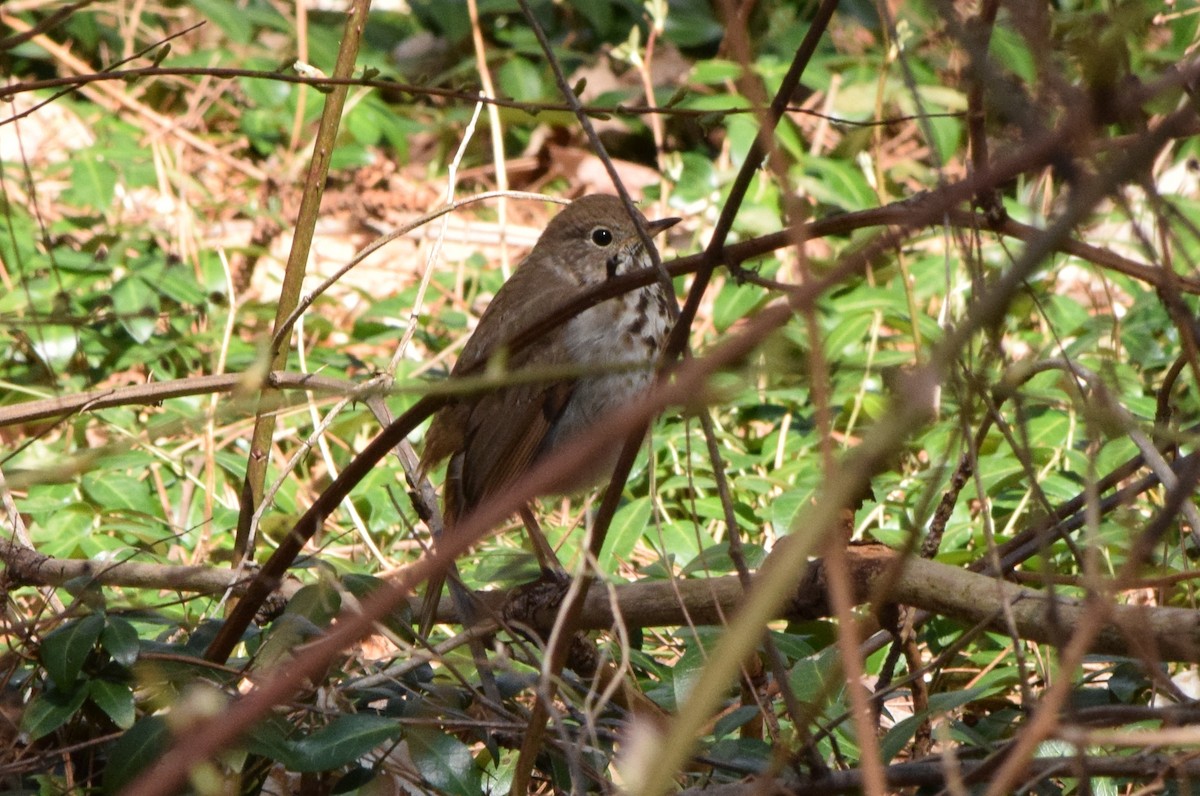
535, 604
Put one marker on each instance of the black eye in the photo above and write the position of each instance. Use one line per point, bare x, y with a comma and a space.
601, 236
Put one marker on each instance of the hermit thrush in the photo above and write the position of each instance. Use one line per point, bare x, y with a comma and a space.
494, 437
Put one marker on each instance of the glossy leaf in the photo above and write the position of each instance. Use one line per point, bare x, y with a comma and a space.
65, 651
627, 528
343, 741
444, 762
136, 749
50, 709
115, 699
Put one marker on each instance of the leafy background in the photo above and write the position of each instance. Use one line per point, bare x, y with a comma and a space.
147, 220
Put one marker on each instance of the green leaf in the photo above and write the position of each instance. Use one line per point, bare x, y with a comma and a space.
120, 640
695, 177
55, 344
178, 283
735, 302
270, 739
899, 735
1008, 48
947, 132
627, 527
838, 184
678, 540
343, 741
741, 754
716, 71
62, 533
46, 499
692, 23
786, 507
136, 305
93, 180
286, 633
598, 15
319, 603
365, 125
361, 586
64, 651
1127, 682
686, 672
520, 79
80, 261
813, 675
717, 560
48, 710
140, 746
734, 720
229, 17
349, 156
444, 762
115, 699
114, 490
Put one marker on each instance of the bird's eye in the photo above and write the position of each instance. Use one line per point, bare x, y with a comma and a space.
601, 236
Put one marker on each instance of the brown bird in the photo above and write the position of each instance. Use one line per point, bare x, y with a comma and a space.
493, 438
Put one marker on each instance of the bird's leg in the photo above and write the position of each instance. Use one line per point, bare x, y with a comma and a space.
530, 609
547, 559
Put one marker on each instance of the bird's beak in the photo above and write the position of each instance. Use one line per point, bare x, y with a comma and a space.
661, 225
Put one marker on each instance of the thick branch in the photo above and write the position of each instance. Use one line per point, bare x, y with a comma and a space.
942, 589
23, 566
1174, 633
931, 773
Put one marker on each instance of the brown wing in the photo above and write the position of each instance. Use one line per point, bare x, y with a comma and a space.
494, 437
498, 437
505, 435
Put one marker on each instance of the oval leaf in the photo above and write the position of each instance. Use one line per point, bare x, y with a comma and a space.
47, 711
120, 640
114, 491
133, 751
343, 741
445, 763
136, 305
64, 651
115, 699
686, 672
623, 533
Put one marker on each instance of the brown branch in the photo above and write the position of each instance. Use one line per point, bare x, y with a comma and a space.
906, 214
26, 567
293, 275
931, 773
52, 20
157, 392
675, 347
277, 565
170, 770
939, 588
688, 383
469, 96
